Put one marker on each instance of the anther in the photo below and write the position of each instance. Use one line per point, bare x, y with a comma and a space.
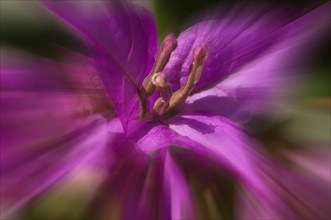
169, 44
200, 54
161, 105
161, 83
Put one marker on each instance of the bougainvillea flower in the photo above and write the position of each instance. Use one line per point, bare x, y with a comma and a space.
194, 92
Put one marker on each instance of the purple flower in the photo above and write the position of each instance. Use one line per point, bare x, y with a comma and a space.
194, 92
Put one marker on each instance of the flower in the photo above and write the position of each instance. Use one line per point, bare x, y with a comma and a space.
195, 92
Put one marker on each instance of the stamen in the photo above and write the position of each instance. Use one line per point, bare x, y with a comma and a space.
157, 79
200, 54
169, 44
162, 104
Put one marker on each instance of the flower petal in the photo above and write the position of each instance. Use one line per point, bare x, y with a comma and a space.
37, 167
249, 205
123, 40
222, 141
269, 78
231, 42
214, 137
122, 189
43, 99
239, 37
176, 190
218, 139
306, 195
44, 128
159, 137
255, 89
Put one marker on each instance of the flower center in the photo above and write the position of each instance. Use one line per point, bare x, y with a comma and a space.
157, 79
